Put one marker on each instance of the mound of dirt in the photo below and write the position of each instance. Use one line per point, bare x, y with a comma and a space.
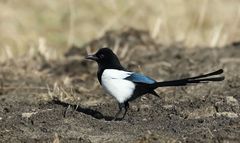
51, 101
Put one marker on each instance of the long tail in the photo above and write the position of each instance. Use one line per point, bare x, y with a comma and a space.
205, 78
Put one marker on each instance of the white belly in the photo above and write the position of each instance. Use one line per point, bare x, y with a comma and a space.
120, 88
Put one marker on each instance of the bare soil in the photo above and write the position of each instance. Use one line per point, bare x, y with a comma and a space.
51, 101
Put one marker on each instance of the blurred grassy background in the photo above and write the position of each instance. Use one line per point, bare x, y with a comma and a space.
54, 25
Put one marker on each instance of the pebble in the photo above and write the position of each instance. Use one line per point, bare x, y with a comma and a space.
227, 114
168, 107
232, 101
28, 115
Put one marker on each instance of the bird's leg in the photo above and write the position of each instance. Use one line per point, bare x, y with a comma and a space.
126, 106
120, 105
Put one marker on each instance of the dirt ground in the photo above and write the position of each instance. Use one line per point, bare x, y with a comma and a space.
61, 101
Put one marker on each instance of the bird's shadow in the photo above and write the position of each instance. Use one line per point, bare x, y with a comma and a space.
94, 113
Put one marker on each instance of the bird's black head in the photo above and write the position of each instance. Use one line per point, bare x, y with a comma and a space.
105, 59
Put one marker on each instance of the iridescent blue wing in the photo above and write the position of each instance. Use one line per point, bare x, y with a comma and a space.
140, 78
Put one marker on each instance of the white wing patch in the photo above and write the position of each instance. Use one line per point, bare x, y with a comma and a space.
114, 83
116, 74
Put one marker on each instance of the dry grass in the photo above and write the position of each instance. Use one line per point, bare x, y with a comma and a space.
62, 23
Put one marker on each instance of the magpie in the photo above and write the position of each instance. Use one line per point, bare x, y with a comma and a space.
126, 85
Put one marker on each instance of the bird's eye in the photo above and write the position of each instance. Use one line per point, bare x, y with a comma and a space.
101, 56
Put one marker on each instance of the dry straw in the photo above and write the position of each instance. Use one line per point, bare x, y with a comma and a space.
201, 23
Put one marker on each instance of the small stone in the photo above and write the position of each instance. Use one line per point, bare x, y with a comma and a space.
168, 107
28, 115
232, 101
145, 107
227, 114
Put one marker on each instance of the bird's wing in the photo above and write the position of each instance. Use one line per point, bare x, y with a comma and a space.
140, 78
131, 76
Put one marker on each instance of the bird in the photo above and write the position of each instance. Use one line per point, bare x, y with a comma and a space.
126, 85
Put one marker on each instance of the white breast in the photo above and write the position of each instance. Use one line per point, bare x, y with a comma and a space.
114, 83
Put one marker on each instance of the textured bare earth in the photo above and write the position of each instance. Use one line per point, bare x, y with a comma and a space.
35, 94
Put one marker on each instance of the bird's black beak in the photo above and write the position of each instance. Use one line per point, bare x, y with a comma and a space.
92, 57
